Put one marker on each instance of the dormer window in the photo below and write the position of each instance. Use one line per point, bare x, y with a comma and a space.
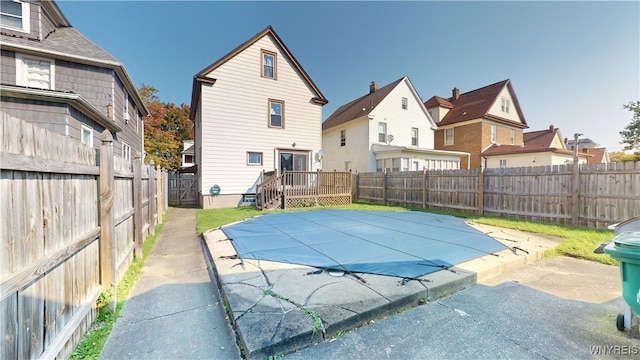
268, 64
35, 72
504, 105
14, 15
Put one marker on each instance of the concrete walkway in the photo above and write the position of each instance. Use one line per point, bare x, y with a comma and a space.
173, 311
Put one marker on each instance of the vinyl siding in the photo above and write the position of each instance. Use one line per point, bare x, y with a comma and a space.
400, 121
496, 108
357, 148
235, 114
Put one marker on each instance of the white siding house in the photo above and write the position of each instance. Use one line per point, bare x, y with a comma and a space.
389, 129
255, 110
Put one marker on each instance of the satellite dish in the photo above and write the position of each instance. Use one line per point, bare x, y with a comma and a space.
319, 155
389, 138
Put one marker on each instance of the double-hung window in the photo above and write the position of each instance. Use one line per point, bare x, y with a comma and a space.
448, 136
14, 15
404, 103
86, 135
382, 132
35, 72
343, 137
276, 113
494, 133
414, 136
126, 151
504, 105
268, 64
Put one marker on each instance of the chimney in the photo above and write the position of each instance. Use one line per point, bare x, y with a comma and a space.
566, 141
373, 87
456, 93
551, 127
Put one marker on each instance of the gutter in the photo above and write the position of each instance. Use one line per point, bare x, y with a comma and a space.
72, 99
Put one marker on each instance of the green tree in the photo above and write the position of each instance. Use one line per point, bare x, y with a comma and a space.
621, 156
631, 133
165, 129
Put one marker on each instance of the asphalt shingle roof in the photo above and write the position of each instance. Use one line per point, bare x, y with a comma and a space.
65, 40
474, 104
359, 107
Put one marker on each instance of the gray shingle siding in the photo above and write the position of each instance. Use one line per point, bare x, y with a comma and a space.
51, 116
92, 82
7, 67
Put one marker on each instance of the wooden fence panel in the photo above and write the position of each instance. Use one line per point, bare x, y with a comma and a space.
50, 235
607, 193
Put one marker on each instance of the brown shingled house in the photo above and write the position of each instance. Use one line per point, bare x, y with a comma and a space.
476, 120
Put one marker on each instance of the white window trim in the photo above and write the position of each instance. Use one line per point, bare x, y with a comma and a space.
452, 141
21, 74
125, 106
417, 137
405, 103
254, 163
343, 138
126, 151
504, 105
90, 131
494, 133
26, 18
383, 124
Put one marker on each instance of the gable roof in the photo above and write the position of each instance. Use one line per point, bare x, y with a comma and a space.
542, 138
476, 104
201, 76
599, 154
359, 107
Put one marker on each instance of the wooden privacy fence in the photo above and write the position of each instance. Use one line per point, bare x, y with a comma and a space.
593, 195
68, 231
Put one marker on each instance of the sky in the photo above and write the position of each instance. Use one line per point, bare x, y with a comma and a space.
572, 64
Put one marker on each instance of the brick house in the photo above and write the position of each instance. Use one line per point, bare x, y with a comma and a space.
474, 121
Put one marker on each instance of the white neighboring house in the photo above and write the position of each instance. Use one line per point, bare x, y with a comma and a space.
388, 129
540, 148
187, 154
255, 110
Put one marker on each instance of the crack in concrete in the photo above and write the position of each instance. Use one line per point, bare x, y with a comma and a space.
173, 313
506, 336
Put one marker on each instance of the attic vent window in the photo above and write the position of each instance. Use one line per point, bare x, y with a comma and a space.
504, 105
14, 15
268, 64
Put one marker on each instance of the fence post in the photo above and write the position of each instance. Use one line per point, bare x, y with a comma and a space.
480, 190
575, 188
424, 187
384, 187
137, 205
107, 223
159, 193
151, 203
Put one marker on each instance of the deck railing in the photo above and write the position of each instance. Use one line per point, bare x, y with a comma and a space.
306, 188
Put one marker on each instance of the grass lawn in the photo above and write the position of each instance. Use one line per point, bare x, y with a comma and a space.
579, 241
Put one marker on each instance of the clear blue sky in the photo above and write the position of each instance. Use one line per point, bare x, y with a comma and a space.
572, 64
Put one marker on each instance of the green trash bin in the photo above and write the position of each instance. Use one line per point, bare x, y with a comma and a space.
625, 248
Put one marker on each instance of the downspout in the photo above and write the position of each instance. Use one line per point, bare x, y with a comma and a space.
468, 161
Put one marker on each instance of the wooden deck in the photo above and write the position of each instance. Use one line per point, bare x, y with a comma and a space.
294, 189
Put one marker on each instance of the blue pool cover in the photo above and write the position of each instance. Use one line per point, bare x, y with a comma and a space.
406, 244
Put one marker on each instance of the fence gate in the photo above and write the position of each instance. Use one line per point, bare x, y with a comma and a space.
183, 189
